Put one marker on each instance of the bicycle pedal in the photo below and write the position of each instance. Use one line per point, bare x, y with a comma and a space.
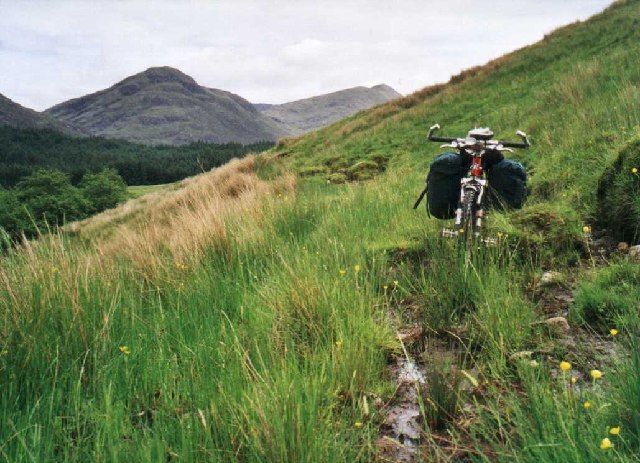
449, 233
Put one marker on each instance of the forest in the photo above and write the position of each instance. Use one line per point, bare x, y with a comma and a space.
24, 151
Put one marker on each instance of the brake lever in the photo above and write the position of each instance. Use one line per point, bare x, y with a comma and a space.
524, 137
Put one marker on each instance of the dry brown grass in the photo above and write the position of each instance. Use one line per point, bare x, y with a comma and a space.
151, 234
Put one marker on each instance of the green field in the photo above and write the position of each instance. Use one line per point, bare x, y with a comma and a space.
248, 316
135, 191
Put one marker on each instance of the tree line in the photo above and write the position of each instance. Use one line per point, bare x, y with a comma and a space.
24, 151
47, 199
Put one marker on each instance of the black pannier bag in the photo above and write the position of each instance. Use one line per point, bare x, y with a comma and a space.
507, 184
443, 185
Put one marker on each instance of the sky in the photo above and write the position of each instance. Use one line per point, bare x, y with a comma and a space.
266, 51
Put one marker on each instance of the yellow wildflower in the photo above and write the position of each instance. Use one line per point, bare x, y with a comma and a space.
385, 287
596, 374
499, 234
573, 380
396, 283
614, 431
338, 344
342, 271
461, 231
586, 229
356, 268
613, 331
564, 366
606, 444
634, 170
124, 349
587, 404
358, 424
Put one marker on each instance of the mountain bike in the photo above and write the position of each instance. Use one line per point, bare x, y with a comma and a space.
480, 150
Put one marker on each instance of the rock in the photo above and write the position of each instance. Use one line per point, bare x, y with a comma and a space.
634, 253
559, 324
549, 278
525, 354
623, 247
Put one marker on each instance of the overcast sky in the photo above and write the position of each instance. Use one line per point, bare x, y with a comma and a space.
266, 51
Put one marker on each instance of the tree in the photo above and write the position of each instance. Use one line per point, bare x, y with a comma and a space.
50, 197
103, 190
14, 218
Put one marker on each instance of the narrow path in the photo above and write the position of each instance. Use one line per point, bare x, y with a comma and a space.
402, 429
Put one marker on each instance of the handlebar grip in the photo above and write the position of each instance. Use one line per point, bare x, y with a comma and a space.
442, 139
514, 144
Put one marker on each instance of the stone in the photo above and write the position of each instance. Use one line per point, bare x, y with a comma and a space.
634, 253
623, 247
558, 323
549, 278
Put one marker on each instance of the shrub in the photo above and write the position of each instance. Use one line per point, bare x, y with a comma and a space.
103, 190
50, 197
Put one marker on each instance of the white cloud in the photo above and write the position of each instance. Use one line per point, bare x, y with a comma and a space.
266, 51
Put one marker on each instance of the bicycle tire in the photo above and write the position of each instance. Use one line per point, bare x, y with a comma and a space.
467, 223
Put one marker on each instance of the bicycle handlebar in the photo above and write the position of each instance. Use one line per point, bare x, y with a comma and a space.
507, 144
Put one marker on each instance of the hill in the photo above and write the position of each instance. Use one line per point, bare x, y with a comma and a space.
14, 115
164, 106
313, 113
249, 316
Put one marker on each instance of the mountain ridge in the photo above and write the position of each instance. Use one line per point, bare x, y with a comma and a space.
308, 114
162, 105
15, 115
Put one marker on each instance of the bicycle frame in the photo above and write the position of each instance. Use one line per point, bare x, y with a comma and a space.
472, 186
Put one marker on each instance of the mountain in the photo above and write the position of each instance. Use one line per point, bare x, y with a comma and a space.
313, 113
165, 106
14, 115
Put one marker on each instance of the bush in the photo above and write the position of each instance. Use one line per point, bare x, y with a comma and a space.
50, 197
103, 190
14, 218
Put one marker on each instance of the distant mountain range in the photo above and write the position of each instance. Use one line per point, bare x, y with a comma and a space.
162, 105
310, 114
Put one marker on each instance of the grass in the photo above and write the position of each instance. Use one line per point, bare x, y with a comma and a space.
135, 191
242, 315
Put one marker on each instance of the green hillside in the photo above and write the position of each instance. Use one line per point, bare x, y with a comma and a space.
249, 315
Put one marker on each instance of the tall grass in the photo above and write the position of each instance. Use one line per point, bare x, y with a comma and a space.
243, 316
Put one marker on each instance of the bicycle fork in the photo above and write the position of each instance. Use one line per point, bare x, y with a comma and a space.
476, 187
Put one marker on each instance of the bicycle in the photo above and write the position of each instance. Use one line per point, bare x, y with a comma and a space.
479, 148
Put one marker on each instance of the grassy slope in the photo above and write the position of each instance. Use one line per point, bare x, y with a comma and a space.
241, 319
